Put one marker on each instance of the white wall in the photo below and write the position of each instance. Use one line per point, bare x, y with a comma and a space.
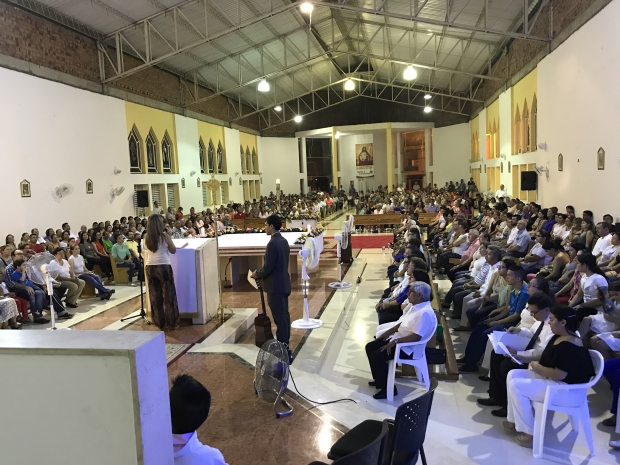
578, 102
346, 149
451, 150
279, 159
54, 134
380, 155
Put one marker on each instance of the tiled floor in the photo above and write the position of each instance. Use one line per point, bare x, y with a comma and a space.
330, 364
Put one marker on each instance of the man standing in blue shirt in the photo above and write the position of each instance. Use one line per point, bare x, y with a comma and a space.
477, 342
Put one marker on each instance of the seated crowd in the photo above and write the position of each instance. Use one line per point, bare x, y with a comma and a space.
91, 254
549, 277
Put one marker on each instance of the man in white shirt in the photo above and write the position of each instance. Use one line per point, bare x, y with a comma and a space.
539, 335
501, 192
157, 210
518, 247
190, 402
603, 231
62, 272
419, 323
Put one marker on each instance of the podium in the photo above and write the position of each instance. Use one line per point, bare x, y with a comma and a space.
195, 279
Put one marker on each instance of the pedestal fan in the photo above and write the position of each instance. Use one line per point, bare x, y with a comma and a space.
37, 271
271, 375
309, 260
343, 243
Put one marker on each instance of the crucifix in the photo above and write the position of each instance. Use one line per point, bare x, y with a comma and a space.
214, 185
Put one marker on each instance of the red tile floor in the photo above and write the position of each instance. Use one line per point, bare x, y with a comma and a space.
240, 424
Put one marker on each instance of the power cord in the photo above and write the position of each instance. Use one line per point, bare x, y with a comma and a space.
314, 401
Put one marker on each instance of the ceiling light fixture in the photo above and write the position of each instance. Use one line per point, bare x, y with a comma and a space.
428, 97
263, 86
427, 109
277, 108
349, 84
306, 7
410, 73
297, 119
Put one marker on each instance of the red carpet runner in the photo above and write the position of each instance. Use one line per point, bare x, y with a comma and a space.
368, 242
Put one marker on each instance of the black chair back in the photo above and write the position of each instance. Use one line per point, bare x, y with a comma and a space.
372, 454
410, 428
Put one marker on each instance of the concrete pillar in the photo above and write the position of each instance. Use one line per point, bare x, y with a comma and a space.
334, 157
390, 156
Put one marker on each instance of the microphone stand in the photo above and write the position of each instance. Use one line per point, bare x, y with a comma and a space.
227, 284
142, 314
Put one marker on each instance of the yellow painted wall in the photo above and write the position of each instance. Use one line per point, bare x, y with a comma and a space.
211, 132
145, 119
493, 121
523, 91
248, 141
474, 129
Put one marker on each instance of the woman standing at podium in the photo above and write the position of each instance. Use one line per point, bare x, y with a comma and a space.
162, 291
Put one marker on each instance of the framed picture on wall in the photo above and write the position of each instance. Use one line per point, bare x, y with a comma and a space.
601, 159
89, 186
197, 182
561, 162
183, 183
24, 188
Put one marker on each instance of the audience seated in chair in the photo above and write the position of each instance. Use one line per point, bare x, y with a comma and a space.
504, 320
564, 360
419, 322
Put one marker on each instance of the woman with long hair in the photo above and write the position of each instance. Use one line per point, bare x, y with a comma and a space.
592, 288
162, 291
586, 236
10, 242
564, 361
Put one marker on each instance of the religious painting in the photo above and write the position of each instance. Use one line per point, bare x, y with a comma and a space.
560, 162
89, 186
151, 154
601, 159
364, 160
134, 152
24, 188
183, 183
166, 155
220, 158
230, 181
197, 182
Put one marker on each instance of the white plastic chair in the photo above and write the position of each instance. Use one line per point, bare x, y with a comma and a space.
418, 360
576, 413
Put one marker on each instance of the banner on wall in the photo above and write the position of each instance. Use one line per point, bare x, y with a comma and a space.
364, 160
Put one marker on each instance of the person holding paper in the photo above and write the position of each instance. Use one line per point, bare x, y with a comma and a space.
510, 317
539, 335
563, 361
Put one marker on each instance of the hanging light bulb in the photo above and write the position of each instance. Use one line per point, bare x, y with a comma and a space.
349, 84
306, 7
297, 119
428, 97
410, 73
427, 109
263, 86
277, 108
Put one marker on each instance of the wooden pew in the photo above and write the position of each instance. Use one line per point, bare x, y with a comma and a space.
451, 367
238, 222
378, 220
424, 218
251, 223
120, 274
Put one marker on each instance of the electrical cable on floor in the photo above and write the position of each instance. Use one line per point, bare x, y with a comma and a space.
314, 401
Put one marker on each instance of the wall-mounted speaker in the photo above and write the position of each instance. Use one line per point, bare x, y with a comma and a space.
142, 197
529, 181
